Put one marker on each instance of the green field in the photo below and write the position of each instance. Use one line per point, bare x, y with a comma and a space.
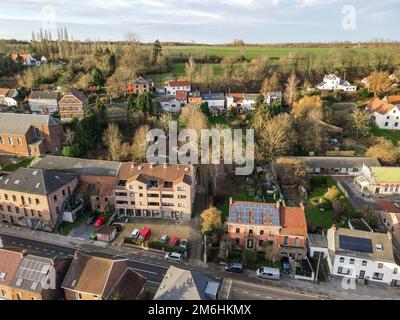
392, 135
249, 51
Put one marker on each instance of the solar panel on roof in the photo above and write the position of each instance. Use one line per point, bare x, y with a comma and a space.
355, 244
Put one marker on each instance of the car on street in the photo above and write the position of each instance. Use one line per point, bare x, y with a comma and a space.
135, 233
91, 218
174, 241
164, 238
269, 273
234, 267
184, 244
174, 256
100, 222
286, 267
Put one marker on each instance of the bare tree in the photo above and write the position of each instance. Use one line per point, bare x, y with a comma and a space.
271, 84
272, 252
69, 136
112, 139
360, 121
139, 144
379, 82
190, 68
291, 89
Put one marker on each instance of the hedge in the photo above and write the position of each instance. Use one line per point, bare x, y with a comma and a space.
165, 247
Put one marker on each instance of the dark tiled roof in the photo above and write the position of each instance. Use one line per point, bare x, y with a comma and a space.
213, 96
77, 94
16, 123
49, 95
35, 181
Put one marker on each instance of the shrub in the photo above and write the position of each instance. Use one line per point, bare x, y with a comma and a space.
333, 193
250, 257
165, 247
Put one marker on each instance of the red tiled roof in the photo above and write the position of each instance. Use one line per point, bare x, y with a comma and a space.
293, 221
380, 106
393, 99
181, 95
387, 206
9, 263
179, 84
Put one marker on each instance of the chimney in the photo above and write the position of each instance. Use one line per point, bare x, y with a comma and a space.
389, 235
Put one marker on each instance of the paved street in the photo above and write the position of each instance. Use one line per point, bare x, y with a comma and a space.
153, 266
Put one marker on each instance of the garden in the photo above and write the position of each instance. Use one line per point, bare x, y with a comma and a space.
327, 205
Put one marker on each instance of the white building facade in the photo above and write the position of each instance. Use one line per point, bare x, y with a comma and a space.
333, 82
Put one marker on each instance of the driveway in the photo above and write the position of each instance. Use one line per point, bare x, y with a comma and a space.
357, 200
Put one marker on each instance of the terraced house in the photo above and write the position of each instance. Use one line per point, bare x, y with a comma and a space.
35, 198
72, 105
45, 102
252, 225
29, 134
158, 191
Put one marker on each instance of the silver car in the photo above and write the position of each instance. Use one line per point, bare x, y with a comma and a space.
174, 256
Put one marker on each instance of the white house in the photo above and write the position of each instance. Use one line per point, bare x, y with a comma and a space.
385, 115
241, 101
379, 180
362, 255
272, 97
173, 86
214, 100
44, 101
43, 60
8, 97
171, 105
249, 101
333, 82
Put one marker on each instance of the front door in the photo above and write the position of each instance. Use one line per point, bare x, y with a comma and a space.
362, 274
250, 244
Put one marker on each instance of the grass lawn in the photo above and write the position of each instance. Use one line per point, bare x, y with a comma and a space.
319, 218
392, 135
22, 163
220, 120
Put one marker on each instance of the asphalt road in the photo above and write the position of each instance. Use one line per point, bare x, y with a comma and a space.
153, 272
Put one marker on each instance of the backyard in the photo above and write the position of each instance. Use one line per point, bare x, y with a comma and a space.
319, 210
392, 135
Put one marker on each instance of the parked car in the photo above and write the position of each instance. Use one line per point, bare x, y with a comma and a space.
185, 244
286, 267
269, 273
117, 226
145, 234
174, 256
174, 241
135, 233
100, 222
91, 218
93, 236
164, 238
234, 267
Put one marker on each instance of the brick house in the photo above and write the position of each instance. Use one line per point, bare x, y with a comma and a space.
45, 102
95, 278
97, 178
39, 276
73, 105
29, 134
35, 198
157, 191
251, 225
141, 85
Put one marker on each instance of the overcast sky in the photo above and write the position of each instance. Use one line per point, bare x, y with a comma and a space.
208, 21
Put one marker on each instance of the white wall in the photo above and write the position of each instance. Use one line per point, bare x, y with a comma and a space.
370, 268
390, 120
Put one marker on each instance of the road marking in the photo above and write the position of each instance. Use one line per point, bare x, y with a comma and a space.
158, 283
141, 270
29, 246
44, 249
21, 245
36, 248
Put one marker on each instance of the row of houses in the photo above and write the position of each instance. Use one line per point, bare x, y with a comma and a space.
28, 60
51, 191
34, 275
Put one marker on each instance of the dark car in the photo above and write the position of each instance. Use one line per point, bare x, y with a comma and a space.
234, 267
91, 219
117, 226
286, 268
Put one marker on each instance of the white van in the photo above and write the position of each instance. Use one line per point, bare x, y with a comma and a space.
269, 273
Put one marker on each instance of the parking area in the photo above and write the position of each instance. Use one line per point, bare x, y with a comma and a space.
158, 229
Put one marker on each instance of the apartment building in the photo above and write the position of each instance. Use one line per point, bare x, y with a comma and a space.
73, 105
362, 255
158, 191
35, 198
29, 134
45, 102
252, 225
95, 278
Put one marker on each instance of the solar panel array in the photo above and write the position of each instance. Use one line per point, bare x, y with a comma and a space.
261, 212
355, 244
33, 270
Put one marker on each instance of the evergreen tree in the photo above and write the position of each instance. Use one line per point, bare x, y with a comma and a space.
157, 50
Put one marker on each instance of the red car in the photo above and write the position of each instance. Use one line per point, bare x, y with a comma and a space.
174, 241
99, 222
145, 234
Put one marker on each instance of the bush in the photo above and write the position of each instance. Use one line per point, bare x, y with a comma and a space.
333, 193
165, 247
250, 257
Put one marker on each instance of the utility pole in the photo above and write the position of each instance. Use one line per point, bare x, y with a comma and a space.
205, 249
1, 243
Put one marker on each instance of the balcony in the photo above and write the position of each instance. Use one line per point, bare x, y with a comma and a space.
74, 206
